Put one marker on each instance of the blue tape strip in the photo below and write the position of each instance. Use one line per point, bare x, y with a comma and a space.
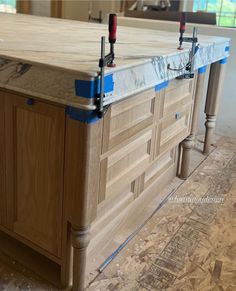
85, 116
223, 61
202, 70
161, 86
227, 48
89, 89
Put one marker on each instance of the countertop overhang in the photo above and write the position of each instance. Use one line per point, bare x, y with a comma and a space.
49, 58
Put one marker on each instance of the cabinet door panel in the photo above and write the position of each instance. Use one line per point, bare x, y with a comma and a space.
35, 147
175, 127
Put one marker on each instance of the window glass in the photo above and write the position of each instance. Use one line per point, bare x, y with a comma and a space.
225, 10
8, 6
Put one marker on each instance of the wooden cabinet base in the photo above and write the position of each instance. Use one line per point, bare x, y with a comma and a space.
121, 218
68, 188
127, 215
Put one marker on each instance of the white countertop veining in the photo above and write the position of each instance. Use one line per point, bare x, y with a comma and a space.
44, 56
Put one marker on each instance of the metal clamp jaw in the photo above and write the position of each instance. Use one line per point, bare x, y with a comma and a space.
106, 61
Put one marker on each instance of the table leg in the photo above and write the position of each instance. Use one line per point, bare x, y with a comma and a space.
188, 143
214, 91
82, 180
80, 241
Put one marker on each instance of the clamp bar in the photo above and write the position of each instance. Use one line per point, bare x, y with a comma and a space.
106, 60
193, 40
102, 69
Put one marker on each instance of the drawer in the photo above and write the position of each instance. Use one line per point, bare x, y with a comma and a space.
121, 167
159, 166
127, 118
178, 94
175, 127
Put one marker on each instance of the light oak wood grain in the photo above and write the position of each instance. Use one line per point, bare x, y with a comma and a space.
35, 171
83, 176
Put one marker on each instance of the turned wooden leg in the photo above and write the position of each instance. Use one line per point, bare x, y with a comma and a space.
80, 241
187, 145
209, 135
214, 91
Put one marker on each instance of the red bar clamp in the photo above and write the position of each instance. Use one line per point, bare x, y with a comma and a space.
106, 60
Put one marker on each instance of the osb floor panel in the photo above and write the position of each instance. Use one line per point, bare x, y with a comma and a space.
190, 244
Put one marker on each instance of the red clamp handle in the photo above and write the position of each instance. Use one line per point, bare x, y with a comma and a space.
112, 28
182, 22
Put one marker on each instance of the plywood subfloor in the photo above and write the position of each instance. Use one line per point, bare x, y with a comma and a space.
188, 245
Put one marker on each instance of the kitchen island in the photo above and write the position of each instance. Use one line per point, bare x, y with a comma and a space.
69, 179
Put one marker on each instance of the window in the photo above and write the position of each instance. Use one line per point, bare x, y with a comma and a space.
225, 10
8, 6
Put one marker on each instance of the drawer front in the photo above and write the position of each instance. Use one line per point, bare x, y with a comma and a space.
175, 127
127, 118
120, 168
158, 167
178, 94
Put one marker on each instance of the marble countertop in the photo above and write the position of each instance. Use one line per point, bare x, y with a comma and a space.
43, 57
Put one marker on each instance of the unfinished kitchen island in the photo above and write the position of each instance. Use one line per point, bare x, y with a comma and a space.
69, 179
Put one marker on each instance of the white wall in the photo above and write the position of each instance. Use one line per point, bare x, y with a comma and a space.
79, 10
40, 7
76, 9
226, 121
186, 5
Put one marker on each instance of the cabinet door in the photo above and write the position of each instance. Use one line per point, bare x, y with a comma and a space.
3, 213
35, 158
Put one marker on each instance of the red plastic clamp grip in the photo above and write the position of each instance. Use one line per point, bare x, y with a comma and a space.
182, 22
112, 28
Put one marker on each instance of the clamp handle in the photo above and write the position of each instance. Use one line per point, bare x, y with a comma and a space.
112, 28
183, 18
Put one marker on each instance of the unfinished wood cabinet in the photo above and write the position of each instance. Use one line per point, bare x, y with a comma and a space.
174, 114
140, 139
34, 142
59, 176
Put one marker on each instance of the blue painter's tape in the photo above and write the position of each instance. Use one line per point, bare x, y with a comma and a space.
161, 86
85, 89
227, 48
202, 70
89, 89
85, 116
30, 101
196, 49
223, 61
108, 84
